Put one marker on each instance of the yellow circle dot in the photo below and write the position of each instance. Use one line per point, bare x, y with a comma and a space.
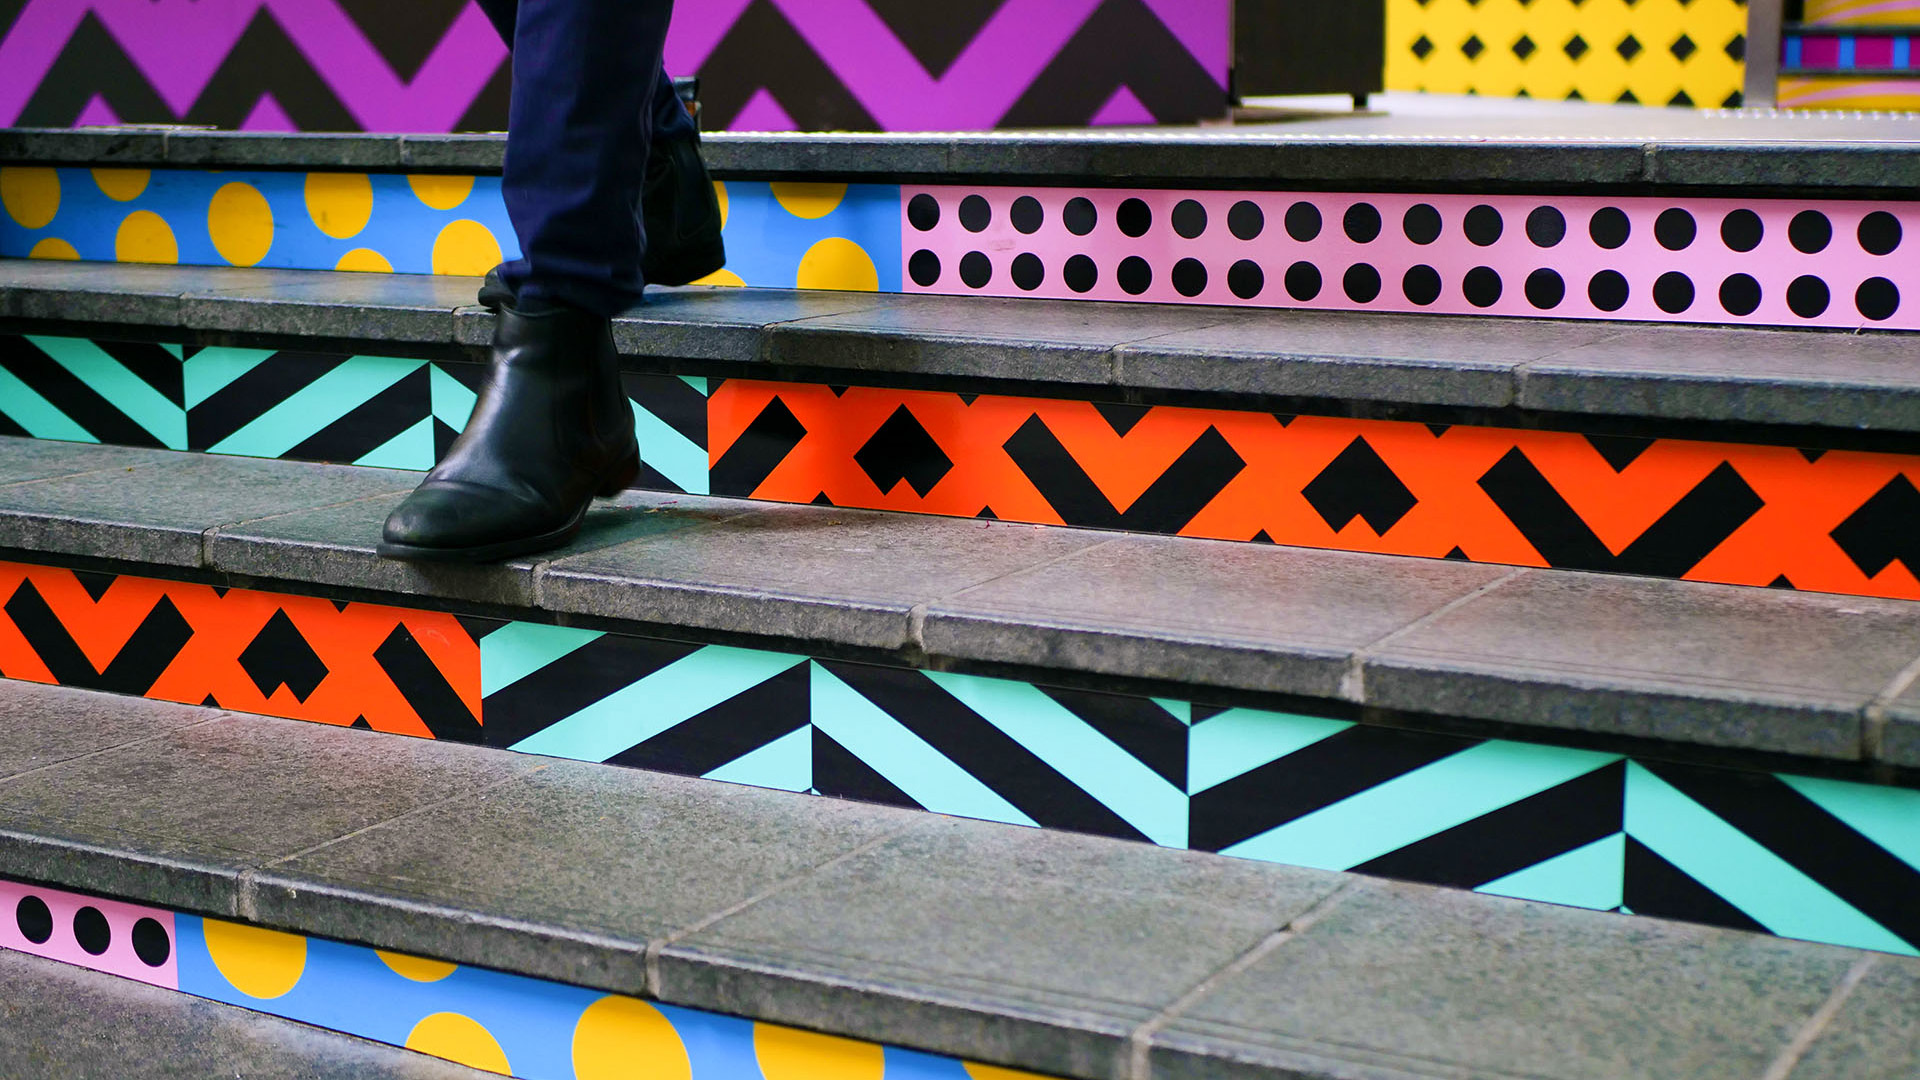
465, 247
726, 204
620, 1038
53, 248
260, 963
809, 200
837, 263
145, 237
364, 259
459, 1039
122, 185
722, 277
786, 1053
241, 224
31, 195
441, 192
417, 968
340, 204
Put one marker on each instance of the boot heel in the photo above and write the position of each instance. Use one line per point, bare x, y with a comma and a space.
621, 476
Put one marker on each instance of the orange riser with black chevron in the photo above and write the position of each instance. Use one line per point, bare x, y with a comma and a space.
1837, 521
390, 669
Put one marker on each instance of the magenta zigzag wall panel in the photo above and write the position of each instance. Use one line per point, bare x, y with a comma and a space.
767, 65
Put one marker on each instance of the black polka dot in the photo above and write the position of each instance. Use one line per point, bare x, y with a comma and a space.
1303, 281
975, 214
1675, 229
1609, 227
1421, 285
1190, 277
1546, 227
923, 212
1362, 223
976, 269
1484, 225
1080, 216
90, 929
1879, 233
1421, 223
1808, 296
1246, 220
1134, 217
1740, 294
150, 942
1673, 292
1134, 275
1810, 231
1545, 289
1246, 279
1608, 290
1080, 274
1303, 221
1877, 299
1189, 218
1026, 214
1742, 230
924, 268
1362, 283
34, 919
1027, 271
1481, 286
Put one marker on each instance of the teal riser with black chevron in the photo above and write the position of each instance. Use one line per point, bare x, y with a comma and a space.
1804, 857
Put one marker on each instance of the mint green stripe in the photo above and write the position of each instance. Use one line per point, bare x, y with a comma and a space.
121, 388
1591, 876
668, 697
316, 405
179, 351
1743, 872
1426, 801
785, 764
209, 371
34, 413
698, 382
452, 401
519, 649
1239, 741
1180, 710
1888, 816
670, 452
411, 449
1088, 759
928, 777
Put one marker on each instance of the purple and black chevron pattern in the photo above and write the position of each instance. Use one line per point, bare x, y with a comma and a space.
435, 65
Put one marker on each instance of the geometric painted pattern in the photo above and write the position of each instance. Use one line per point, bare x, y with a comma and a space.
1852, 54
489, 1020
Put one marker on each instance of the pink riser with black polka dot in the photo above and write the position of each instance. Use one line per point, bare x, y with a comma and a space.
128, 940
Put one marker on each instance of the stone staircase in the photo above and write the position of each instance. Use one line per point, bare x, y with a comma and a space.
1441, 619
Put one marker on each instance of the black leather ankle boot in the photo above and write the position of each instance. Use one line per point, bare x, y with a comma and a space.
551, 430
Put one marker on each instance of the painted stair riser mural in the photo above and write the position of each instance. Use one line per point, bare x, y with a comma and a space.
1793, 855
1756, 262
1829, 521
492, 1021
1881, 68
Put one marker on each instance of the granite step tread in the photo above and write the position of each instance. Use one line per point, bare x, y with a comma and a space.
1813, 676
1865, 382
1059, 953
58, 1021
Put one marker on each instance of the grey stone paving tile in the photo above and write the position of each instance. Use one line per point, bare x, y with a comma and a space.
335, 545
29, 460
58, 1022
1718, 665
1900, 737
90, 292
176, 820
483, 153
850, 577
388, 307
91, 146
311, 150
1876, 1033
995, 942
159, 513
43, 725
724, 323
1215, 613
1406, 980
567, 873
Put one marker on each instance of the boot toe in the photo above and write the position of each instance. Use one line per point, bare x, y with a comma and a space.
442, 516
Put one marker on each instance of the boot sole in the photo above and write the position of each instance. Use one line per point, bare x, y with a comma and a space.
618, 480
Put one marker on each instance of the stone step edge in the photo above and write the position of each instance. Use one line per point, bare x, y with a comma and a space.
1236, 915
1807, 388
1368, 632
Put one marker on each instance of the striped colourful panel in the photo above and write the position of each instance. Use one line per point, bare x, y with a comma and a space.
1849, 52
1863, 12
495, 1022
1849, 92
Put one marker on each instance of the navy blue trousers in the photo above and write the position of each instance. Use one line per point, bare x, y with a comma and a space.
589, 99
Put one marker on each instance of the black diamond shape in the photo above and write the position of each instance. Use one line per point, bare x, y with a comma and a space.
280, 656
1885, 528
1576, 47
1473, 46
1628, 48
1737, 48
902, 450
1524, 47
1682, 48
1422, 46
1680, 97
1359, 484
